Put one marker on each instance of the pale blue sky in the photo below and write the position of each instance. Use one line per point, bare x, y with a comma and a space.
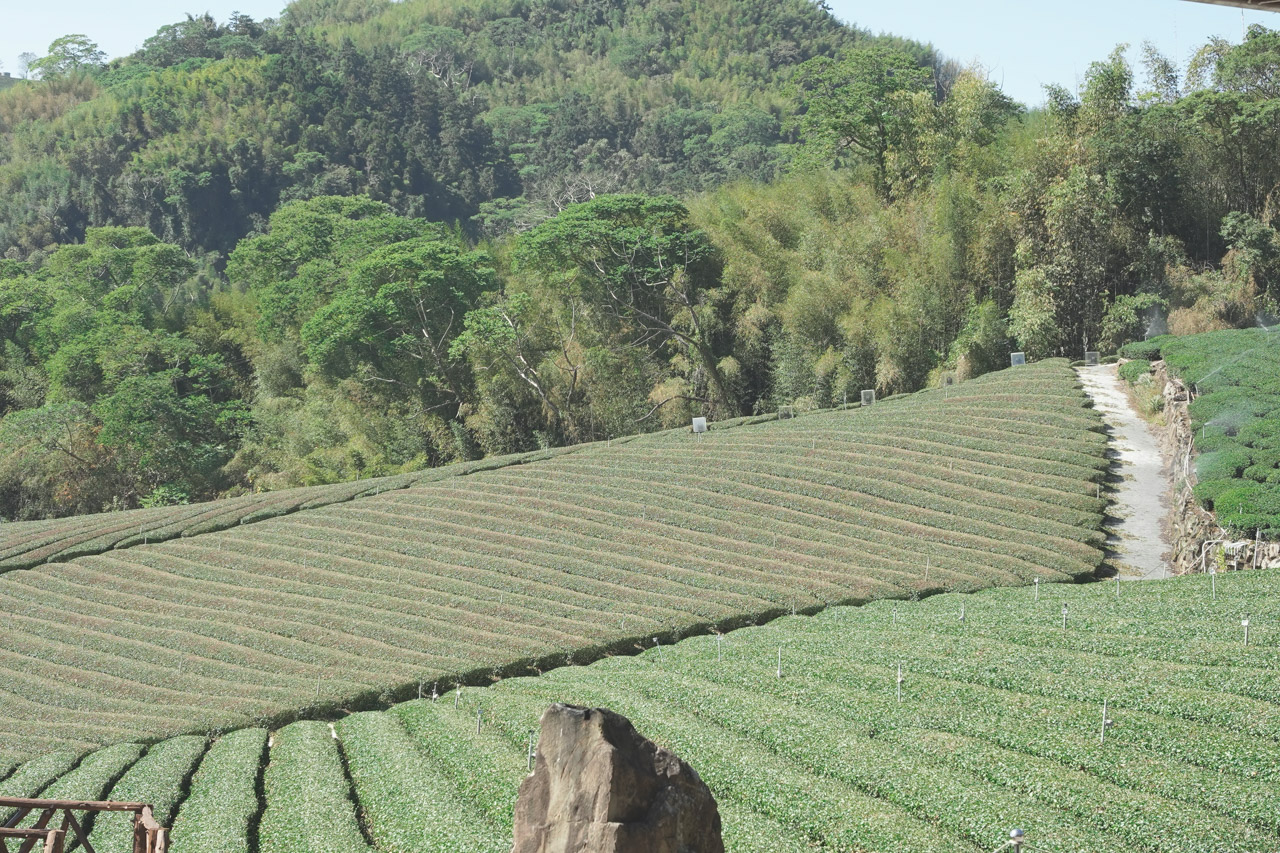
1022, 43
1025, 44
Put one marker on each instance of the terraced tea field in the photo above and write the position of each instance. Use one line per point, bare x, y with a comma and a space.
523, 567
25, 544
1235, 414
998, 724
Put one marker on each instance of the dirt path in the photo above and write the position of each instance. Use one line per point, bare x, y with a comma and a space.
1138, 508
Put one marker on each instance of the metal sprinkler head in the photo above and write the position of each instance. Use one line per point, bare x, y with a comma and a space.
1016, 835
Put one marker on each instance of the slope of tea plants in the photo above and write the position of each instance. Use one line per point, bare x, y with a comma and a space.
222, 809
25, 544
306, 794
1235, 412
523, 567
807, 739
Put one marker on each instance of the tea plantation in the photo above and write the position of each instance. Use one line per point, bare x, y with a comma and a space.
25, 544
1236, 416
528, 564
998, 723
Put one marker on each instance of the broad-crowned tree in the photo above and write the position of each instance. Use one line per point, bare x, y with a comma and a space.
638, 262
859, 106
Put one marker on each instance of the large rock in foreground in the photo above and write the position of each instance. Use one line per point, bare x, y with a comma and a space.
599, 786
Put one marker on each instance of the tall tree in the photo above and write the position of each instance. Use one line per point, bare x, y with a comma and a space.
68, 55
859, 105
639, 261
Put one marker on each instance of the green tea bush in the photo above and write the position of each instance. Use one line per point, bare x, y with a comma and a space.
1226, 464
992, 482
94, 775
410, 801
1132, 371
158, 778
998, 725
308, 808
1148, 349
217, 815
28, 780
1235, 412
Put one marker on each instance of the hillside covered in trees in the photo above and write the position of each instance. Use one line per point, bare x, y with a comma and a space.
370, 237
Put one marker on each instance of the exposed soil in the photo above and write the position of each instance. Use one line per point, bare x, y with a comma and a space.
1139, 481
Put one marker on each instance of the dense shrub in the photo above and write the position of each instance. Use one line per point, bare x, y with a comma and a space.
1148, 349
1235, 411
1132, 371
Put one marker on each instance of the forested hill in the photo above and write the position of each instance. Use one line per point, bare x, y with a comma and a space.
372, 237
440, 109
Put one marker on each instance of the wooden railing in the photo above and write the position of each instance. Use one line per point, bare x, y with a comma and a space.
148, 836
52, 839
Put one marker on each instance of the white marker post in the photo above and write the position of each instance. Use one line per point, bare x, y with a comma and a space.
1244, 623
899, 682
1064, 617
779, 661
1106, 723
1037, 589
531, 750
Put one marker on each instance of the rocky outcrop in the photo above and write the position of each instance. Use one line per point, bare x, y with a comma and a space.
600, 787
